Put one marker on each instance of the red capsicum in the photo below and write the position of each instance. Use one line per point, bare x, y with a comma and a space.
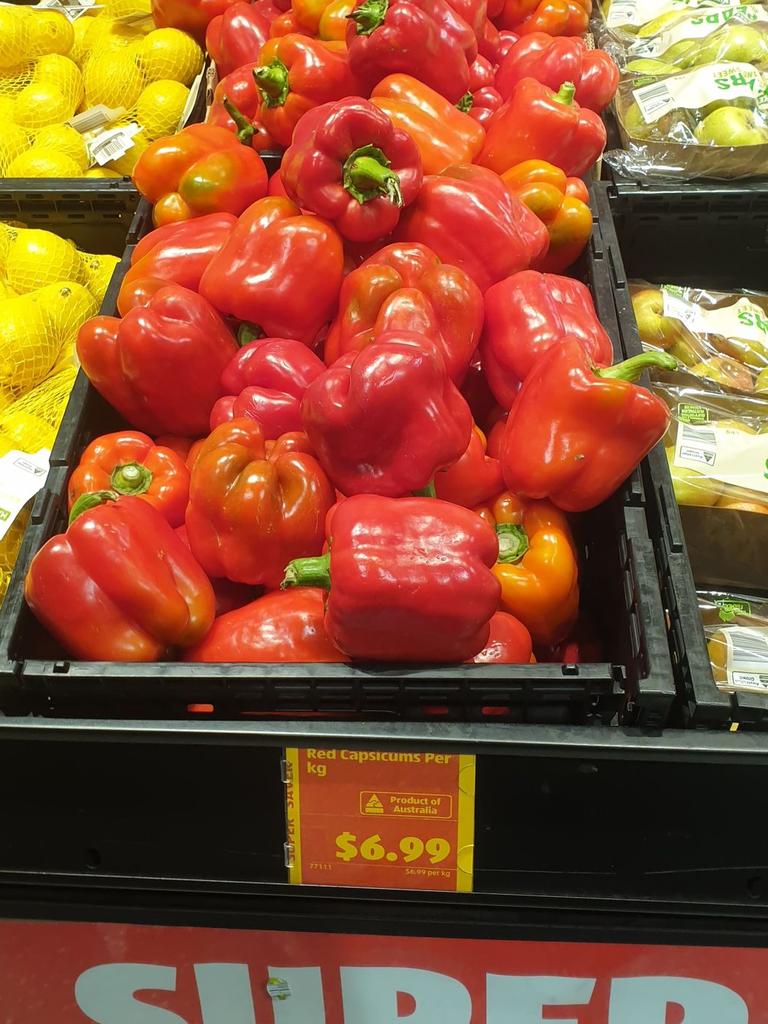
266, 382
294, 75
422, 37
528, 314
553, 60
409, 579
509, 642
405, 287
536, 123
384, 420
283, 626
237, 107
161, 364
173, 254
203, 169
279, 270
236, 37
191, 16
482, 99
351, 165
468, 217
131, 463
119, 585
576, 432
474, 479
250, 512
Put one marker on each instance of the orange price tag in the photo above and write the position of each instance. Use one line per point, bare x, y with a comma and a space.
382, 819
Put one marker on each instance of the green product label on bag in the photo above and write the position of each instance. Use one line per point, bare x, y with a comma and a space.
689, 413
729, 608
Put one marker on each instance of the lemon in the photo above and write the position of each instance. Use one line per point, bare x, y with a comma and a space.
82, 28
112, 78
66, 305
43, 162
124, 164
7, 235
40, 104
102, 172
127, 8
160, 106
14, 36
28, 348
13, 141
97, 271
6, 292
169, 53
22, 431
36, 258
6, 108
61, 72
64, 139
49, 32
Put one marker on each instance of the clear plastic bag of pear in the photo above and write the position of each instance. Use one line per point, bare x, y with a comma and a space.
651, 28
716, 445
719, 336
736, 631
710, 121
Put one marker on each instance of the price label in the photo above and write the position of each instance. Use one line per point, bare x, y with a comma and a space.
380, 818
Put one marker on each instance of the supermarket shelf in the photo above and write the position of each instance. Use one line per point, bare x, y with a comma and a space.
736, 225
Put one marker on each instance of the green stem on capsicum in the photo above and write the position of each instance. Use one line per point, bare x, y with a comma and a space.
366, 175
308, 572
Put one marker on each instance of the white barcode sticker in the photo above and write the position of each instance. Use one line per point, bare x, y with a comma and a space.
746, 658
696, 446
73, 9
696, 89
112, 143
21, 477
95, 117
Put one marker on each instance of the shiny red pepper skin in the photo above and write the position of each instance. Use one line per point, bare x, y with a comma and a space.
119, 585
239, 92
295, 74
351, 165
161, 364
534, 125
409, 579
384, 420
427, 36
251, 510
173, 254
283, 626
128, 462
525, 316
467, 216
553, 60
405, 287
474, 479
266, 382
575, 433
482, 100
191, 16
280, 270
236, 37
509, 642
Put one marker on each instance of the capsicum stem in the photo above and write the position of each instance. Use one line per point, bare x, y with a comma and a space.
272, 80
308, 572
88, 501
631, 368
565, 93
366, 175
513, 542
429, 491
131, 478
465, 103
369, 15
245, 130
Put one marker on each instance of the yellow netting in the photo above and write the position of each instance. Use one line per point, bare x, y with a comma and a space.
52, 69
9, 548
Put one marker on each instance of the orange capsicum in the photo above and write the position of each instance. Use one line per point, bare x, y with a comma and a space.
537, 565
561, 204
556, 17
444, 135
334, 21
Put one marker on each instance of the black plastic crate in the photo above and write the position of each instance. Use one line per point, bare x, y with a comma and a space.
710, 237
620, 595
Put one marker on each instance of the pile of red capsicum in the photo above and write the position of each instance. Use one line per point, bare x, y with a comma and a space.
363, 402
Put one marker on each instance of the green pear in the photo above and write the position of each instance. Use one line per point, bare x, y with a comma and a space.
655, 329
634, 125
649, 66
761, 384
731, 126
734, 42
692, 487
677, 51
656, 25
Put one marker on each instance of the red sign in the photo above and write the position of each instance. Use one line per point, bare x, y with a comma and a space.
137, 974
382, 819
